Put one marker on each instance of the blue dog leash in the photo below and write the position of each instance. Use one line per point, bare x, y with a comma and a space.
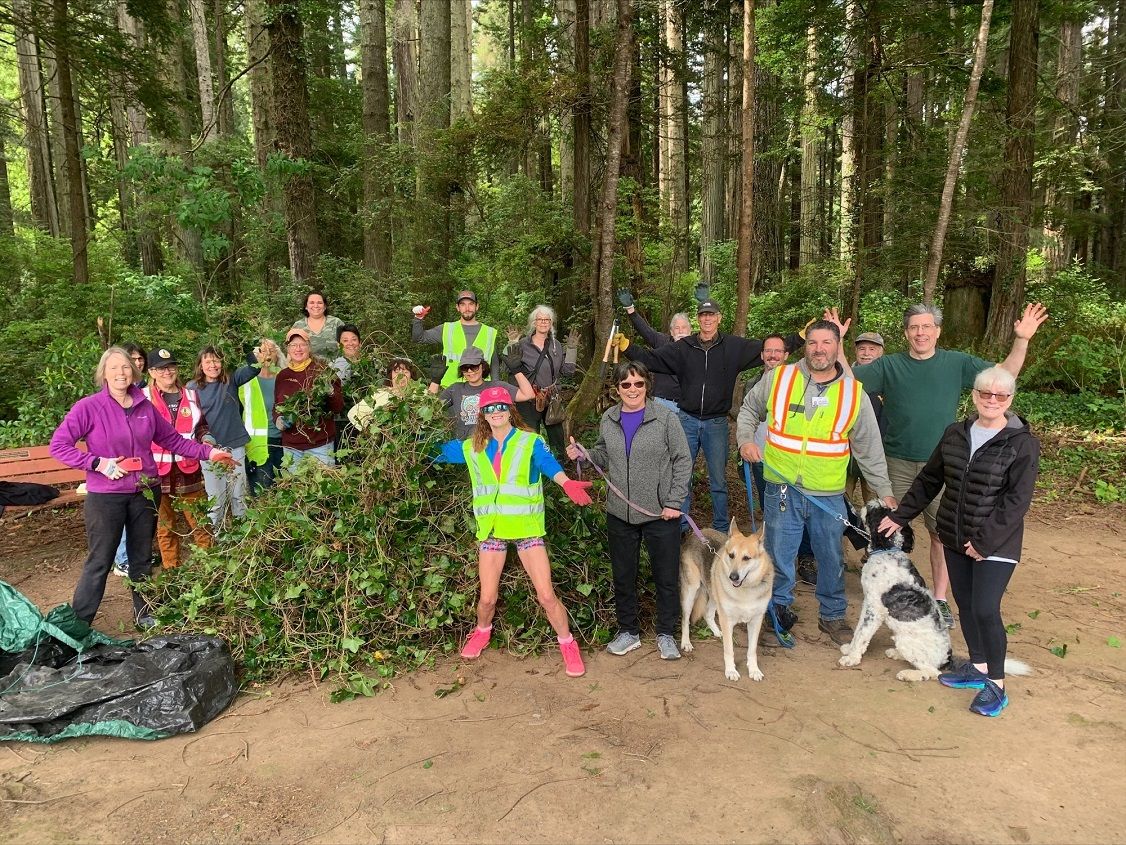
784, 637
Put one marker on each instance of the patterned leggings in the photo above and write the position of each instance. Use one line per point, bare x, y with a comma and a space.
495, 545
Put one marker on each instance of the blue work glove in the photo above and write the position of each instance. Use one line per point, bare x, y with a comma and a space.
701, 291
625, 297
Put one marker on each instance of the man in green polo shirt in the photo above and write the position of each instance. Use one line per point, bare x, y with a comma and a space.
922, 389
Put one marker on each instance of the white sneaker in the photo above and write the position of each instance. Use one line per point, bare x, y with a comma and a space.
121, 569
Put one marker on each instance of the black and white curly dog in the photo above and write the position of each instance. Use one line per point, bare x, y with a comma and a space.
894, 592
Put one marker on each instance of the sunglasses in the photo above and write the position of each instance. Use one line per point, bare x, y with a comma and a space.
494, 408
465, 367
626, 385
985, 394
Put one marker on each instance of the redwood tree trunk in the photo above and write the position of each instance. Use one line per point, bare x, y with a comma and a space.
1016, 179
377, 135
76, 201
293, 135
747, 171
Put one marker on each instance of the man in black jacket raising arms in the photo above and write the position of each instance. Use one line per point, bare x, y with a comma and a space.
707, 365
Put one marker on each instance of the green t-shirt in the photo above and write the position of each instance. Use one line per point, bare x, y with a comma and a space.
920, 397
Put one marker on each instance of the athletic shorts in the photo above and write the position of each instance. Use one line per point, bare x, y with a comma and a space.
495, 545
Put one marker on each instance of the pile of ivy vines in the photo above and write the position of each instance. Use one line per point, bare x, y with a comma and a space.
354, 573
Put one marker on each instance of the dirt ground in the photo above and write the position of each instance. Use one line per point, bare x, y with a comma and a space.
639, 750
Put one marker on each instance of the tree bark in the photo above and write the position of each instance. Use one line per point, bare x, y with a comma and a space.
205, 81
677, 132
225, 101
712, 151
7, 224
377, 135
432, 218
766, 255
603, 249
461, 59
289, 106
734, 179
257, 50
76, 200
1058, 239
747, 171
44, 208
849, 136
406, 68
946, 204
580, 120
1010, 270
810, 249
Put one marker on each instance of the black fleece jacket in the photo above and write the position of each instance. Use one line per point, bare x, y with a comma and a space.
986, 496
707, 374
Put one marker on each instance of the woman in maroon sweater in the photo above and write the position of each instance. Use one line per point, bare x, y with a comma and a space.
301, 437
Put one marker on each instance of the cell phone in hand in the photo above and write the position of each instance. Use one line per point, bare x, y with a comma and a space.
129, 464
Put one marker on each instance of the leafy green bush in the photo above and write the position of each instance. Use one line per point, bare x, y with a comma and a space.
369, 568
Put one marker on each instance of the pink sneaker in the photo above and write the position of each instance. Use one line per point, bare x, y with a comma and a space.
572, 659
477, 642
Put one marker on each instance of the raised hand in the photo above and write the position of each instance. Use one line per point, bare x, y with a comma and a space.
626, 298
420, 311
1032, 318
573, 339
513, 333
834, 317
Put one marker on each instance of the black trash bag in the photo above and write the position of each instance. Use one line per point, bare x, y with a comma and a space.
157, 688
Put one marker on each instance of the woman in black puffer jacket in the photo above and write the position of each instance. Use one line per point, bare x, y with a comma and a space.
988, 464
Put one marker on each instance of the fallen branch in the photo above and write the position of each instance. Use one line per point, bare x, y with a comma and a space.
408, 765
43, 800
541, 786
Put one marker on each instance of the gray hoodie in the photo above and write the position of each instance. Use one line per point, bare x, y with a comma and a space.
658, 469
864, 438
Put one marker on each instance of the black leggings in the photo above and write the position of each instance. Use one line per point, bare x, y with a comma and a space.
978, 586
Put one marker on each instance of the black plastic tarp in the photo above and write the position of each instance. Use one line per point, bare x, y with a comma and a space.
64, 682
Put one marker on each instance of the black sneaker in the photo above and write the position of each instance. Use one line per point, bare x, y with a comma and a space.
807, 570
787, 619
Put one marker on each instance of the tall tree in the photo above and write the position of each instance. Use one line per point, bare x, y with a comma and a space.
810, 155
461, 59
434, 176
946, 204
406, 68
713, 138
1059, 202
44, 209
377, 135
747, 171
674, 131
205, 81
289, 108
7, 225
1010, 269
603, 247
76, 199
580, 119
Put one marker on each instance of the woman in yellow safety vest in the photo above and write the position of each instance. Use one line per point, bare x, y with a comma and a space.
506, 464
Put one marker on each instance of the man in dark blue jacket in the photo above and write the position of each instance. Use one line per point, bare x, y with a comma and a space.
707, 365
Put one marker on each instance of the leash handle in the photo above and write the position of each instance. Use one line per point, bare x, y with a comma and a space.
750, 494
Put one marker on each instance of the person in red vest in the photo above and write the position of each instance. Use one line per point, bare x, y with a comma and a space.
181, 477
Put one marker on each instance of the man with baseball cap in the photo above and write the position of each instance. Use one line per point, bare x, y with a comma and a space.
707, 364
869, 346
463, 398
457, 336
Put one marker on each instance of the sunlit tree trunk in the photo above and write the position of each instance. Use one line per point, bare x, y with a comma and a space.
432, 214
713, 146
72, 145
461, 59
810, 249
377, 135
44, 208
946, 204
204, 79
406, 68
1059, 242
747, 169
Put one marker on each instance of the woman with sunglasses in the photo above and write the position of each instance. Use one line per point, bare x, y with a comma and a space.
507, 463
642, 447
989, 464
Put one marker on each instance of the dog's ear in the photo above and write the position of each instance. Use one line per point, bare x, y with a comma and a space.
734, 532
908, 538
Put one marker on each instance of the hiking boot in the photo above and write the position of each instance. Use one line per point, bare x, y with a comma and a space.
807, 570
990, 700
477, 642
667, 646
624, 643
572, 659
944, 612
965, 676
787, 619
839, 630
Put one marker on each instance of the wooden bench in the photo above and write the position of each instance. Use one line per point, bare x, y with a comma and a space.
35, 464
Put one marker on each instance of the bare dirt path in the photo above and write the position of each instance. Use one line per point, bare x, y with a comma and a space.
639, 750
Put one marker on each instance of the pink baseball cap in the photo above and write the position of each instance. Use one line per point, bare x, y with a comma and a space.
495, 396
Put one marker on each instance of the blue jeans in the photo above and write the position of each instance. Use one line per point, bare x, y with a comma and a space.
784, 529
668, 403
321, 453
711, 436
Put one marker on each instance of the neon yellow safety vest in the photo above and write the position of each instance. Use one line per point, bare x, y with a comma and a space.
509, 507
255, 421
811, 452
453, 344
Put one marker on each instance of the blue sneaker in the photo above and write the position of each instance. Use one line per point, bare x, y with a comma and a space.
965, 676
990, 701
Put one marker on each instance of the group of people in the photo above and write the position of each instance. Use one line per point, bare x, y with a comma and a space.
811, 430
157, 441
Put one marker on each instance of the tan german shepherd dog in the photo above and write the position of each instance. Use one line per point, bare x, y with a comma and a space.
733, 580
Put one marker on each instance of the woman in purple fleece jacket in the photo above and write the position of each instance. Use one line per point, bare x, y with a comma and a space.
119, 425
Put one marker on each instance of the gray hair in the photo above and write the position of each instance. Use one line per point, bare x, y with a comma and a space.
680, 315
996, 377
916, 310
547, 311
100, 370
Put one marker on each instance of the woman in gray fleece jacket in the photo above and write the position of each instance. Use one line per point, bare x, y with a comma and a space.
643, 450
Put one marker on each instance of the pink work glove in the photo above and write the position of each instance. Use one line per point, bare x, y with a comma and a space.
577, 491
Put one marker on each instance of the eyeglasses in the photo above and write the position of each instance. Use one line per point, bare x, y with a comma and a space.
925, 328
985, 394
137, 359
543, 319
626, 385
495, 408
